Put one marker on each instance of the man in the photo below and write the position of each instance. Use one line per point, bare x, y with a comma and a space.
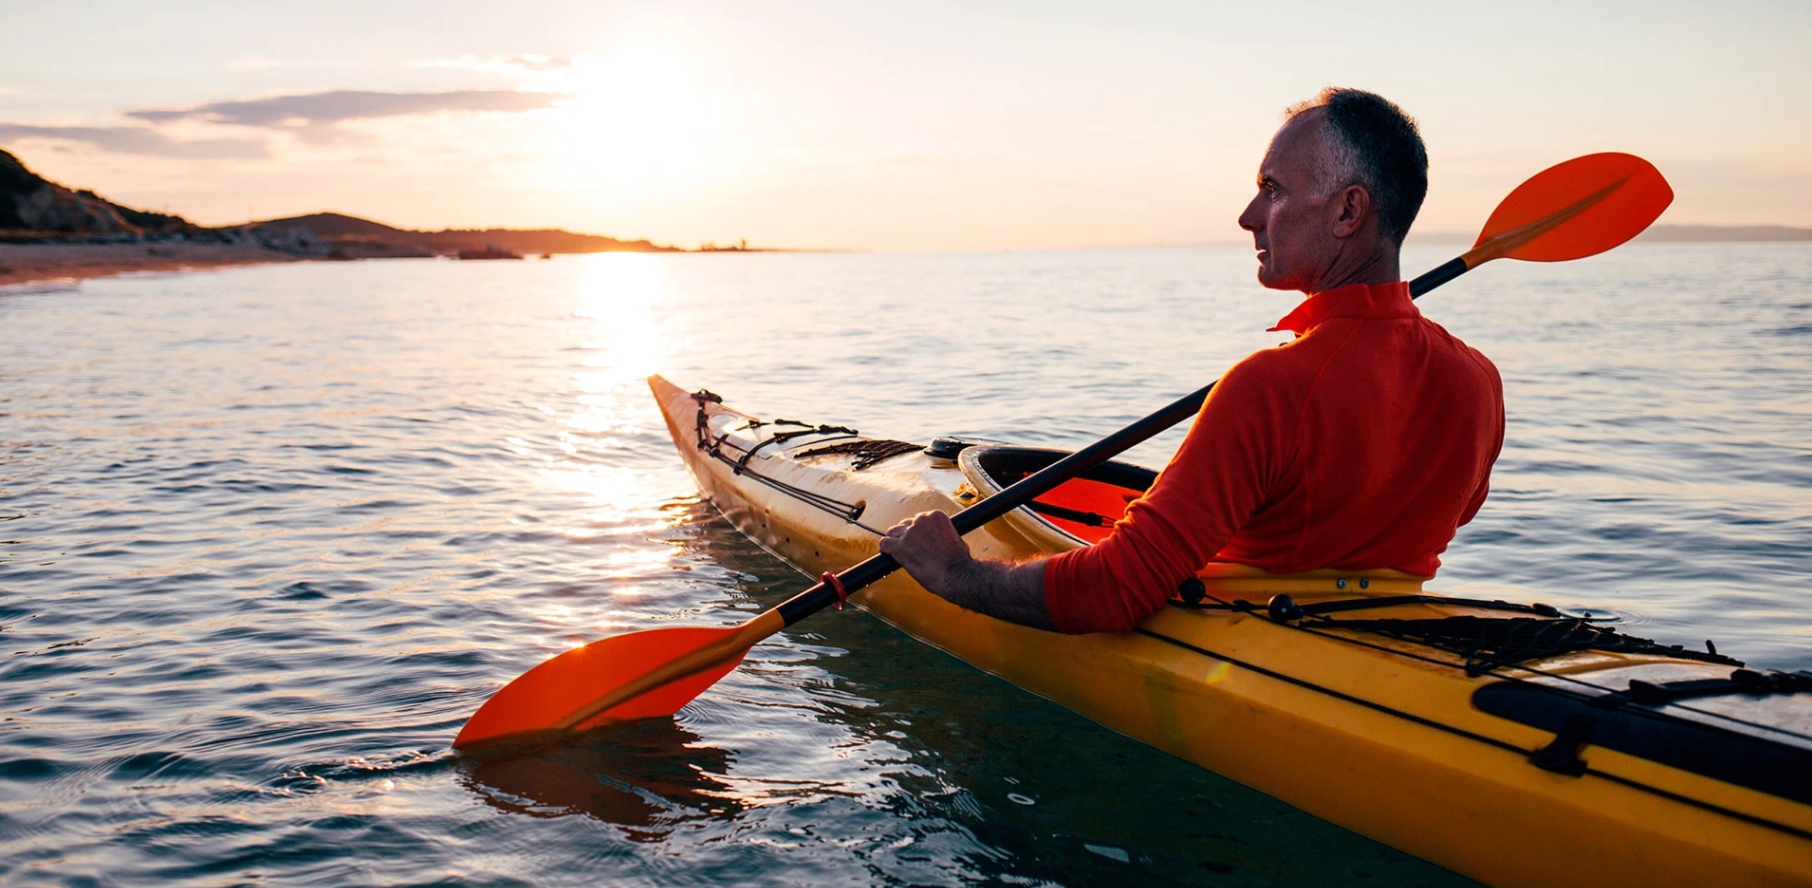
1363, 444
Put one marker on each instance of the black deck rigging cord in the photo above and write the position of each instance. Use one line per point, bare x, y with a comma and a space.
867, 453
1490, 643
1681, 693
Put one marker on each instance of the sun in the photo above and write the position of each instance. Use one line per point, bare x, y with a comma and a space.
636, 126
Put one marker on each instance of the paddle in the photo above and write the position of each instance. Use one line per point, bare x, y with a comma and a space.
1576, 209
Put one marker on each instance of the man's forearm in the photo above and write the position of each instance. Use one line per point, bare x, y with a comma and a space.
930, 548
1007, 591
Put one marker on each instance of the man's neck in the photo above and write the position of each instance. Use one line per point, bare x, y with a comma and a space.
1379, 266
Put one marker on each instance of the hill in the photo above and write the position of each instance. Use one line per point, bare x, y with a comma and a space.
349, 232
1665, 234
34, 209
1723, 234
31, 203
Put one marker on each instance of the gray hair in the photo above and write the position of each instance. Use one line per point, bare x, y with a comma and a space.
1377, 146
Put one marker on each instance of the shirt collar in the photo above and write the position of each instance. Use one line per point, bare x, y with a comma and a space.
1350, 301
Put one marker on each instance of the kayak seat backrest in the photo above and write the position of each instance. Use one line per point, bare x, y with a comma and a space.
1084, 507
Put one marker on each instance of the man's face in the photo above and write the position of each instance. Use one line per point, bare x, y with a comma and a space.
1290, 221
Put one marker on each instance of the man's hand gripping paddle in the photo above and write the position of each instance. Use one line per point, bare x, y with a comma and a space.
1577, 209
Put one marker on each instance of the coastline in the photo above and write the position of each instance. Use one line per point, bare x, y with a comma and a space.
38, 263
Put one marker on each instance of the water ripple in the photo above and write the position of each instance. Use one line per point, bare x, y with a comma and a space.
271, 534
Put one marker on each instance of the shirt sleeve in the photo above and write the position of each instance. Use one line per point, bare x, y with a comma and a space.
1220, 476
1497, 448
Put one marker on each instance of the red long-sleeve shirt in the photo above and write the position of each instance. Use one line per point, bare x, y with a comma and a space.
1365, 443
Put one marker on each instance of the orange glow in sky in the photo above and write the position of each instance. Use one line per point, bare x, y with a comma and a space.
917, 127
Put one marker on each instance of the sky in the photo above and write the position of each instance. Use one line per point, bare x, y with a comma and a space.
897, 126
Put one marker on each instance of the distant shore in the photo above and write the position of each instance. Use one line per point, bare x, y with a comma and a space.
1666, 234
38, 263
35, 263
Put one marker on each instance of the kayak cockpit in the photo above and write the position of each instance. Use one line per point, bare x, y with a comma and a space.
1080, 511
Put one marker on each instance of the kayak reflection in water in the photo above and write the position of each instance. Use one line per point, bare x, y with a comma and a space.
1362, 444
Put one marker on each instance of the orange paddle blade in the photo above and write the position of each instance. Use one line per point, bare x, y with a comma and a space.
546, 697
1574, 209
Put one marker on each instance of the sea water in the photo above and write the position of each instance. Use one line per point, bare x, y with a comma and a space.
269, 535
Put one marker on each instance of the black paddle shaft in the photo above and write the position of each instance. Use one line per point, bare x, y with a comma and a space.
861, 576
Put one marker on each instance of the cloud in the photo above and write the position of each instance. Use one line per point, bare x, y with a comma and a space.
136, 140
312, 117
532, 62
327, 108
499, 64
261, 63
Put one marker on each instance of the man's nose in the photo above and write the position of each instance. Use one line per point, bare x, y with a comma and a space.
1251, 219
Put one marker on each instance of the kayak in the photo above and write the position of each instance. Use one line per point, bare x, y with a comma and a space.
1512, 743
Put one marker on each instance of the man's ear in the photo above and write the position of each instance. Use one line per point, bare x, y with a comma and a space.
1353, 205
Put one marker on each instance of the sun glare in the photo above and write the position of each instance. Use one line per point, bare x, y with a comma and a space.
636, 125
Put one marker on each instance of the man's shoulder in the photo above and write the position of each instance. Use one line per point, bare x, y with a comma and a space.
1270, 379
1295, 367
1285, 364
1467, 354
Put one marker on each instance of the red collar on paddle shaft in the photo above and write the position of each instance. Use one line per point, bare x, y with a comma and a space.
1350, 301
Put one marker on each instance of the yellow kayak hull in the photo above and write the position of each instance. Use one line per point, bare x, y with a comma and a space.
1378, 735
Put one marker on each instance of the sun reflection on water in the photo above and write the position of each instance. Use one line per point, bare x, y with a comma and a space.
618, 300
618, 297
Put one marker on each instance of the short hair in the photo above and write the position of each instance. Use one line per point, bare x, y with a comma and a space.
1377, 146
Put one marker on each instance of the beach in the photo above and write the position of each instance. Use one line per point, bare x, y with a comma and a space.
30, 263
